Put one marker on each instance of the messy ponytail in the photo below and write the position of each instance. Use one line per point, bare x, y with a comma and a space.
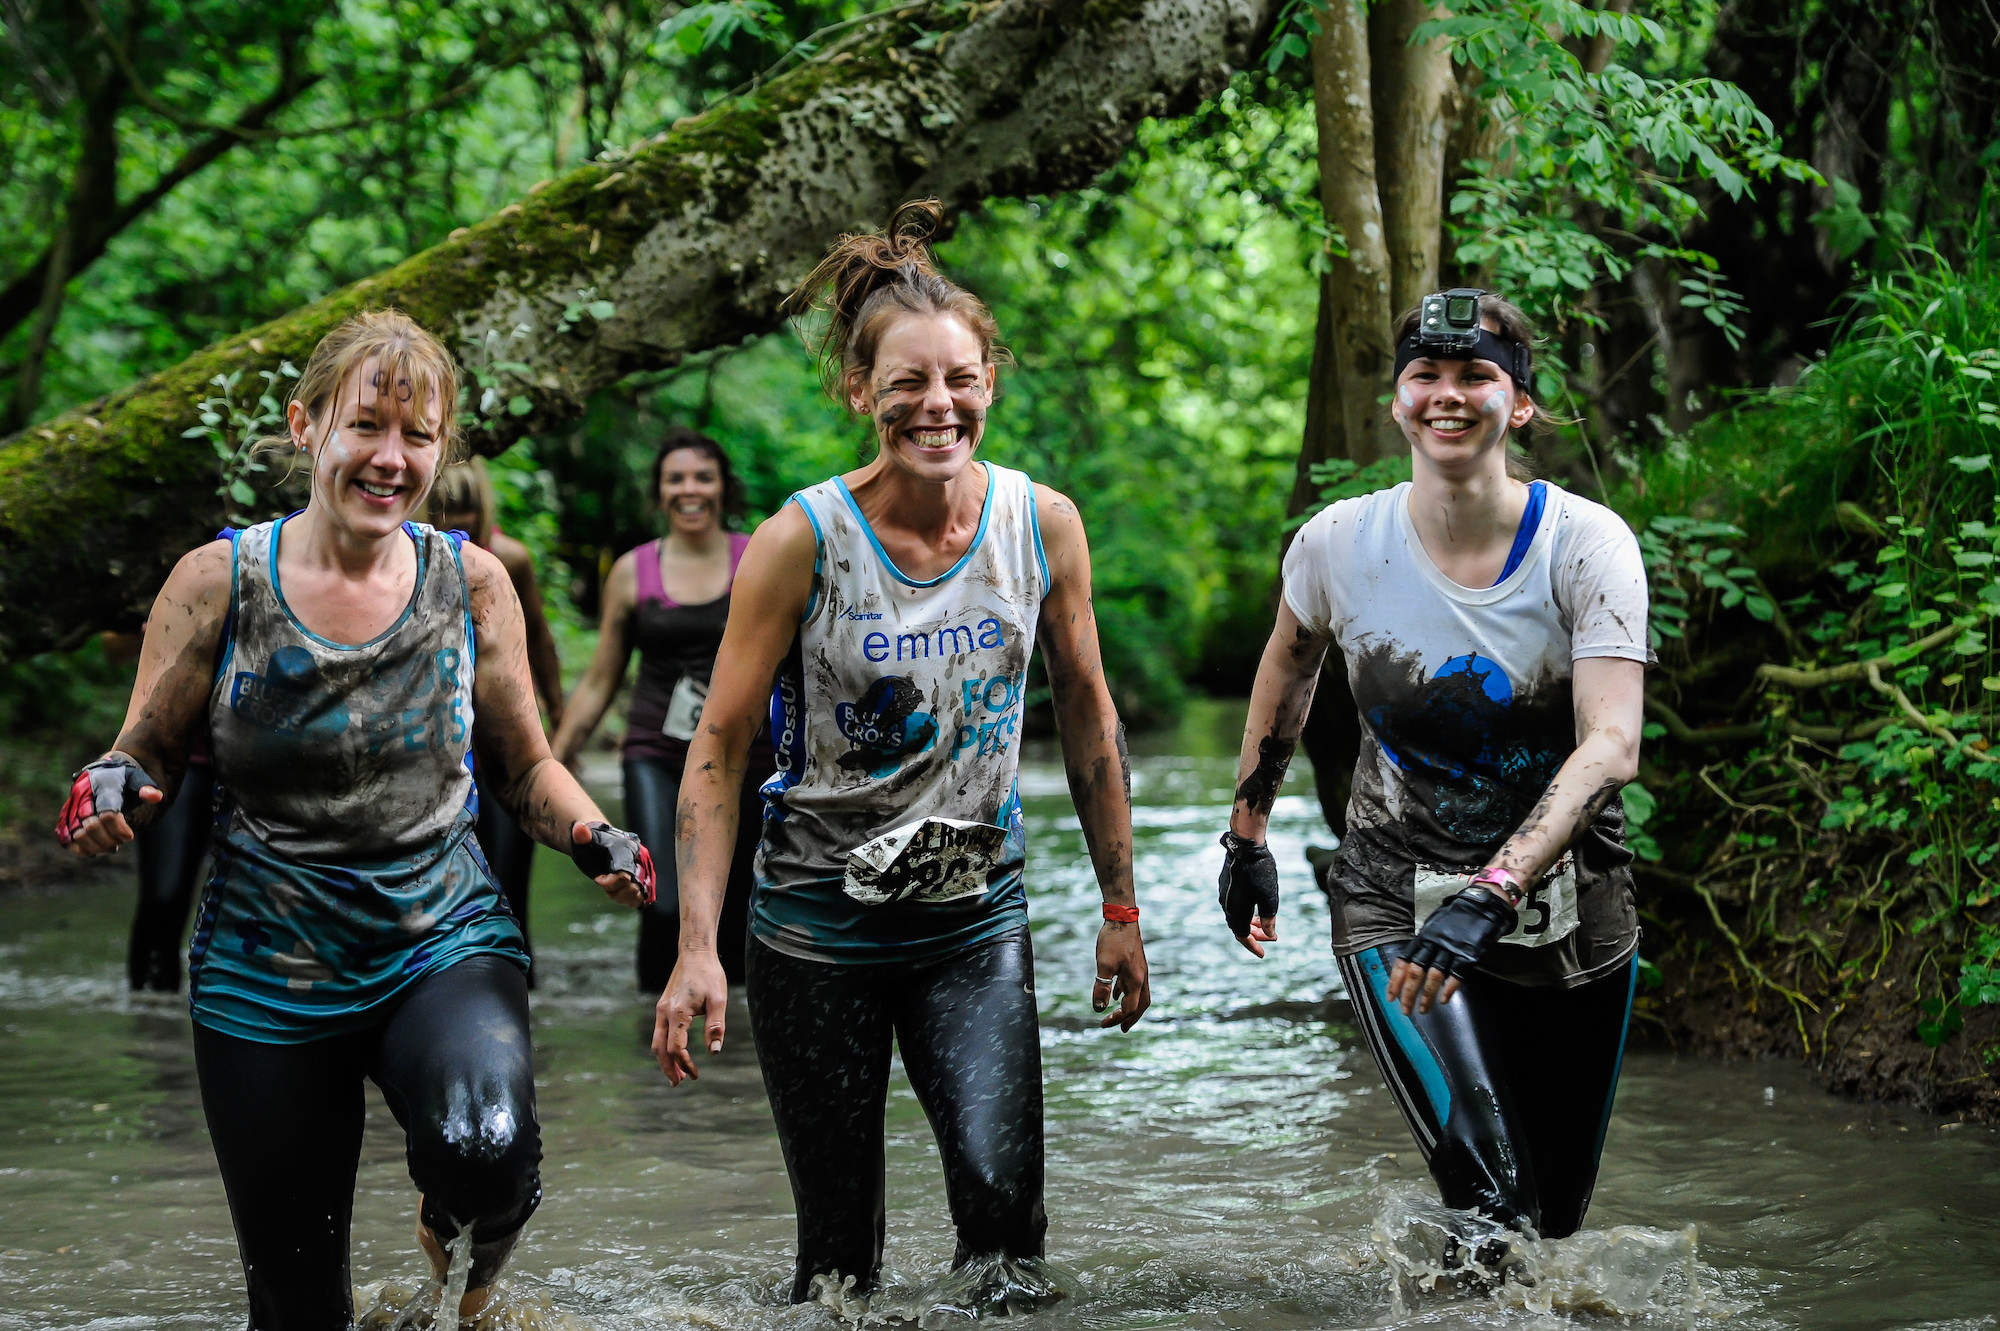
870, 279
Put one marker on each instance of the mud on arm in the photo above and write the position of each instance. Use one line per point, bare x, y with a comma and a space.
1609, 697
1094, 754
1279, 702
177, 663
513, 753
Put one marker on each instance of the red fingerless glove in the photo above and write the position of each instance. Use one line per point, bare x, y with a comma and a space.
109, 785
613, 850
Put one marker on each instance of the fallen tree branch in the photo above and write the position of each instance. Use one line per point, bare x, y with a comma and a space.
1841, 674
1902, 699
1749, 730
689, 243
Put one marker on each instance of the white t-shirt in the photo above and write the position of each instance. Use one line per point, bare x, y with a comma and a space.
1466, 716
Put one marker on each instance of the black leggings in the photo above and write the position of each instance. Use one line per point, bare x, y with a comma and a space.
171, 848
1506, 1088
972, 1047
652, 794
510, 854
454, 1064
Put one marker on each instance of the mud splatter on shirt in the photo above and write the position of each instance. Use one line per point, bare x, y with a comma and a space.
1466, 716
345, 862
902, 701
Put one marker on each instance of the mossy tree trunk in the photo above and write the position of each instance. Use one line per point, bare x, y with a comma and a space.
694, 240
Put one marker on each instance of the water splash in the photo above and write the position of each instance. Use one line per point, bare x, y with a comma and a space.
1437, 1254
393, 1305
990, 1285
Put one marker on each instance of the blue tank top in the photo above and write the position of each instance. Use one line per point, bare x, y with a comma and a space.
345, 865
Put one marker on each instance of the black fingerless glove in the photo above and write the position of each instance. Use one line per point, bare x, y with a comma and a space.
109, 785
1461, 931
611, 850
1248, 887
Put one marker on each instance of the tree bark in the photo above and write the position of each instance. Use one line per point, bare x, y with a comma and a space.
695, 239
1413, 93
1360, 285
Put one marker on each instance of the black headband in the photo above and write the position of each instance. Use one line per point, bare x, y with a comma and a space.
1508, 354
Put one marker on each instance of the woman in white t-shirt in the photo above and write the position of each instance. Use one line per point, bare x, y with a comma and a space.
1494, 633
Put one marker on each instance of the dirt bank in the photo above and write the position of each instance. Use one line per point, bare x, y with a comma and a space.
1852, 1013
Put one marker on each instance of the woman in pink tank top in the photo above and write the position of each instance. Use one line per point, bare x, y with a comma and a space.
670, 599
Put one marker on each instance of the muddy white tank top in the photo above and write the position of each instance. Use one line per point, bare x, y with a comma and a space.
893, 827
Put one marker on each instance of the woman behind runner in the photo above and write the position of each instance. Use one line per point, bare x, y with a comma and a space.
1494, 636
344, 661
897, 607
462, 500
670, 599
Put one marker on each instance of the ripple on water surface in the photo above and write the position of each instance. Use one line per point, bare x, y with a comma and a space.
1233, 1163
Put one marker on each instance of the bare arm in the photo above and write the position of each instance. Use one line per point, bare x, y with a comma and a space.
1609, 695
1094, 755
606, 673
1279, 702
544, 666
170, 696
773, 585
507, 731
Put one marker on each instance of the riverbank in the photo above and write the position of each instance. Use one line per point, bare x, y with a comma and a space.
1842, 997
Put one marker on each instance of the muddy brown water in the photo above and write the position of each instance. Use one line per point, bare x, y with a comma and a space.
1232, 1163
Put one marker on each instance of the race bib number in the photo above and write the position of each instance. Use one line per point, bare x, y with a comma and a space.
937, 859
1547, 914
684, 708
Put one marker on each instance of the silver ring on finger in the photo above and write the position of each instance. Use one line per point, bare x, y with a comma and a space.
1106, 979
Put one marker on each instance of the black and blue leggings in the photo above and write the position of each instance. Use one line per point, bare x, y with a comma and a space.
452, 1058
1507, 1088
971, 1044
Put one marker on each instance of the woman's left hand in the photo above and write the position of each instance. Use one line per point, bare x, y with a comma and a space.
1121, 975
616, 861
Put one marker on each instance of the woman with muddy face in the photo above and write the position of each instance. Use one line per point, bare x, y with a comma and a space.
896, 607
1494, 636
337, 660
670, 599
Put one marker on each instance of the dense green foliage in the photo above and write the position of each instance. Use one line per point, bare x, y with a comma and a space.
1852, 793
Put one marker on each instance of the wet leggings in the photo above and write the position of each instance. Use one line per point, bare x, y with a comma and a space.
453, 1062
1506, 1088
652, 794
970, 1042
171, 848
510, 854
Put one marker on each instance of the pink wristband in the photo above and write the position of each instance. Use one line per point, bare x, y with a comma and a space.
1502, 880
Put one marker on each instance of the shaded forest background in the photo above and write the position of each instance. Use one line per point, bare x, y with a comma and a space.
1757, 234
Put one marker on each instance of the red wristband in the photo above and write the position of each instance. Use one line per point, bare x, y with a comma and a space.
1121, 914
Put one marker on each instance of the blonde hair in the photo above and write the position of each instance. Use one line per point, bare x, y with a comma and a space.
464, 487
408, 357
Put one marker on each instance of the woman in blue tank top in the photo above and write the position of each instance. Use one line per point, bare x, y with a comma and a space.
345, 662
897, 607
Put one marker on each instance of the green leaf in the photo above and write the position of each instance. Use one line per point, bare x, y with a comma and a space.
519, 405
240, 491
1759, 608
601, 310
1972, 462
1639, 804
1889, 591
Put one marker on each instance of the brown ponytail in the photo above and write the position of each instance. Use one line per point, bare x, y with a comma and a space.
869, 279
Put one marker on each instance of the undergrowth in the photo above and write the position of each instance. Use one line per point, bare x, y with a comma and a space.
1825, 564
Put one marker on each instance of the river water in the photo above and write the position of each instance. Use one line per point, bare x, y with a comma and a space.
1233, 1163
